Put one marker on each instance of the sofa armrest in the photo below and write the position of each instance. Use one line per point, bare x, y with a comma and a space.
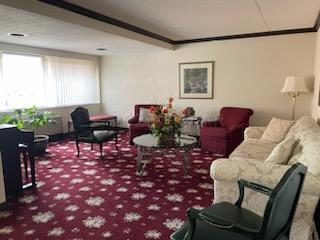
254, 132
133, 120
211, 124
267, 174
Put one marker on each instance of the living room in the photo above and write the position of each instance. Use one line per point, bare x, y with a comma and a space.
109, 57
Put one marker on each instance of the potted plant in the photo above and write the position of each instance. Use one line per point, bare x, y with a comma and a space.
31, 118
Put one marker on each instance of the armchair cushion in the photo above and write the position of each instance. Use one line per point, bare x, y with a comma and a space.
145, 115
225, 213
217, 132
211, 124
237, 128
98, 136
140, 127
133, 120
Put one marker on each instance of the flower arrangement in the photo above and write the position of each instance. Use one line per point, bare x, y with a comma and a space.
166, 123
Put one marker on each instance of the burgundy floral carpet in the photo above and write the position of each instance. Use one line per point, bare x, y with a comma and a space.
86, 198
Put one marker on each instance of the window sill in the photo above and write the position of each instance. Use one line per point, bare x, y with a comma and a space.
53, 107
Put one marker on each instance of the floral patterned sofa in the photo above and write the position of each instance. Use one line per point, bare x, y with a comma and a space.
247, 162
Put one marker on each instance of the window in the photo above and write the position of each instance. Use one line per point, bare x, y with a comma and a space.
47, 81
20, 75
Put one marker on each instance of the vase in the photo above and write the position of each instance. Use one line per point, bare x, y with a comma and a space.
166, 140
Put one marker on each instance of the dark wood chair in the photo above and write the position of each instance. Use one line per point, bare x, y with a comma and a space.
23, 149
87, 133
230, 221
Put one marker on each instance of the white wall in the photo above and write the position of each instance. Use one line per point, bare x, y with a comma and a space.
248, 73
64, 112
315, 109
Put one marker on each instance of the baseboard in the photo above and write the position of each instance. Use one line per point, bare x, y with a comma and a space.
61, 136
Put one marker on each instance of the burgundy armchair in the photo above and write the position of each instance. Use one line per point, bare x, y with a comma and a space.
137, 128
224, 135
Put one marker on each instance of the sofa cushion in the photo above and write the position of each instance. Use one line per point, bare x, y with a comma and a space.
277, 130
303, 123
307, 150
253, 149
216, 132
282, 151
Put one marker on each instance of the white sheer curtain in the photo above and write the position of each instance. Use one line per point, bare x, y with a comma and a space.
71, 81
47, 81
21, 81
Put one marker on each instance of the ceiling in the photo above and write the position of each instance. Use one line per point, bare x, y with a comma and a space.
176, 20
52, 33
193, 19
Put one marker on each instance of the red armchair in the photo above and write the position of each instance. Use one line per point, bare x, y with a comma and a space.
224, 135
137, 128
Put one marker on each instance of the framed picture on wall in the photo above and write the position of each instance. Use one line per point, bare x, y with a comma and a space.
196, 80
319, 98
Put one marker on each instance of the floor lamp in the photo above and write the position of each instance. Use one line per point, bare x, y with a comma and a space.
294, 87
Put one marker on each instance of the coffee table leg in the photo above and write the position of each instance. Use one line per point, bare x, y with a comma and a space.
186, 156
139, 160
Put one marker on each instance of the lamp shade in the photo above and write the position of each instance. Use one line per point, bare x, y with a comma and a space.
293, 85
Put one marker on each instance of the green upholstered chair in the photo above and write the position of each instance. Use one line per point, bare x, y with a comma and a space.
85, 132
230, 221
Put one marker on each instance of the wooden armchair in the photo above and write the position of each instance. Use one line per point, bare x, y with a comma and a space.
85, 132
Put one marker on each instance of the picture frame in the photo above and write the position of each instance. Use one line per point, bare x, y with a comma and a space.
319, 98
196, 80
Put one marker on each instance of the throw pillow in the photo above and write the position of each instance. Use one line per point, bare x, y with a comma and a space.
145, 115
276, 130
282, 152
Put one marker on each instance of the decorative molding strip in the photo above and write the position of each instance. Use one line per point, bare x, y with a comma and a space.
247, 35
100, 17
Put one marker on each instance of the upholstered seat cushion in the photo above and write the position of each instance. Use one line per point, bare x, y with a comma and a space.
216, 132
225, 213
142, 126
253, 149
99, 136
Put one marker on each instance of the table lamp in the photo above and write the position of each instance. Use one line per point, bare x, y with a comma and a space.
294, 87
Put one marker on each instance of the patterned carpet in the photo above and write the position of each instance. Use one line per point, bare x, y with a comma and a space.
86, 198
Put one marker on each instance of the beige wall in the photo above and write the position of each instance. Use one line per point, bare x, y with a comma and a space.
248, 73
315, 109
64, 112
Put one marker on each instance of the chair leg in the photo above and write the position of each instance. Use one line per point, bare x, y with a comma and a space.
91, 146
101, 156
116, 143
78, 148
25, 162
192, 215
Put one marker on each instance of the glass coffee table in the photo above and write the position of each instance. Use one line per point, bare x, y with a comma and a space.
147, 144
